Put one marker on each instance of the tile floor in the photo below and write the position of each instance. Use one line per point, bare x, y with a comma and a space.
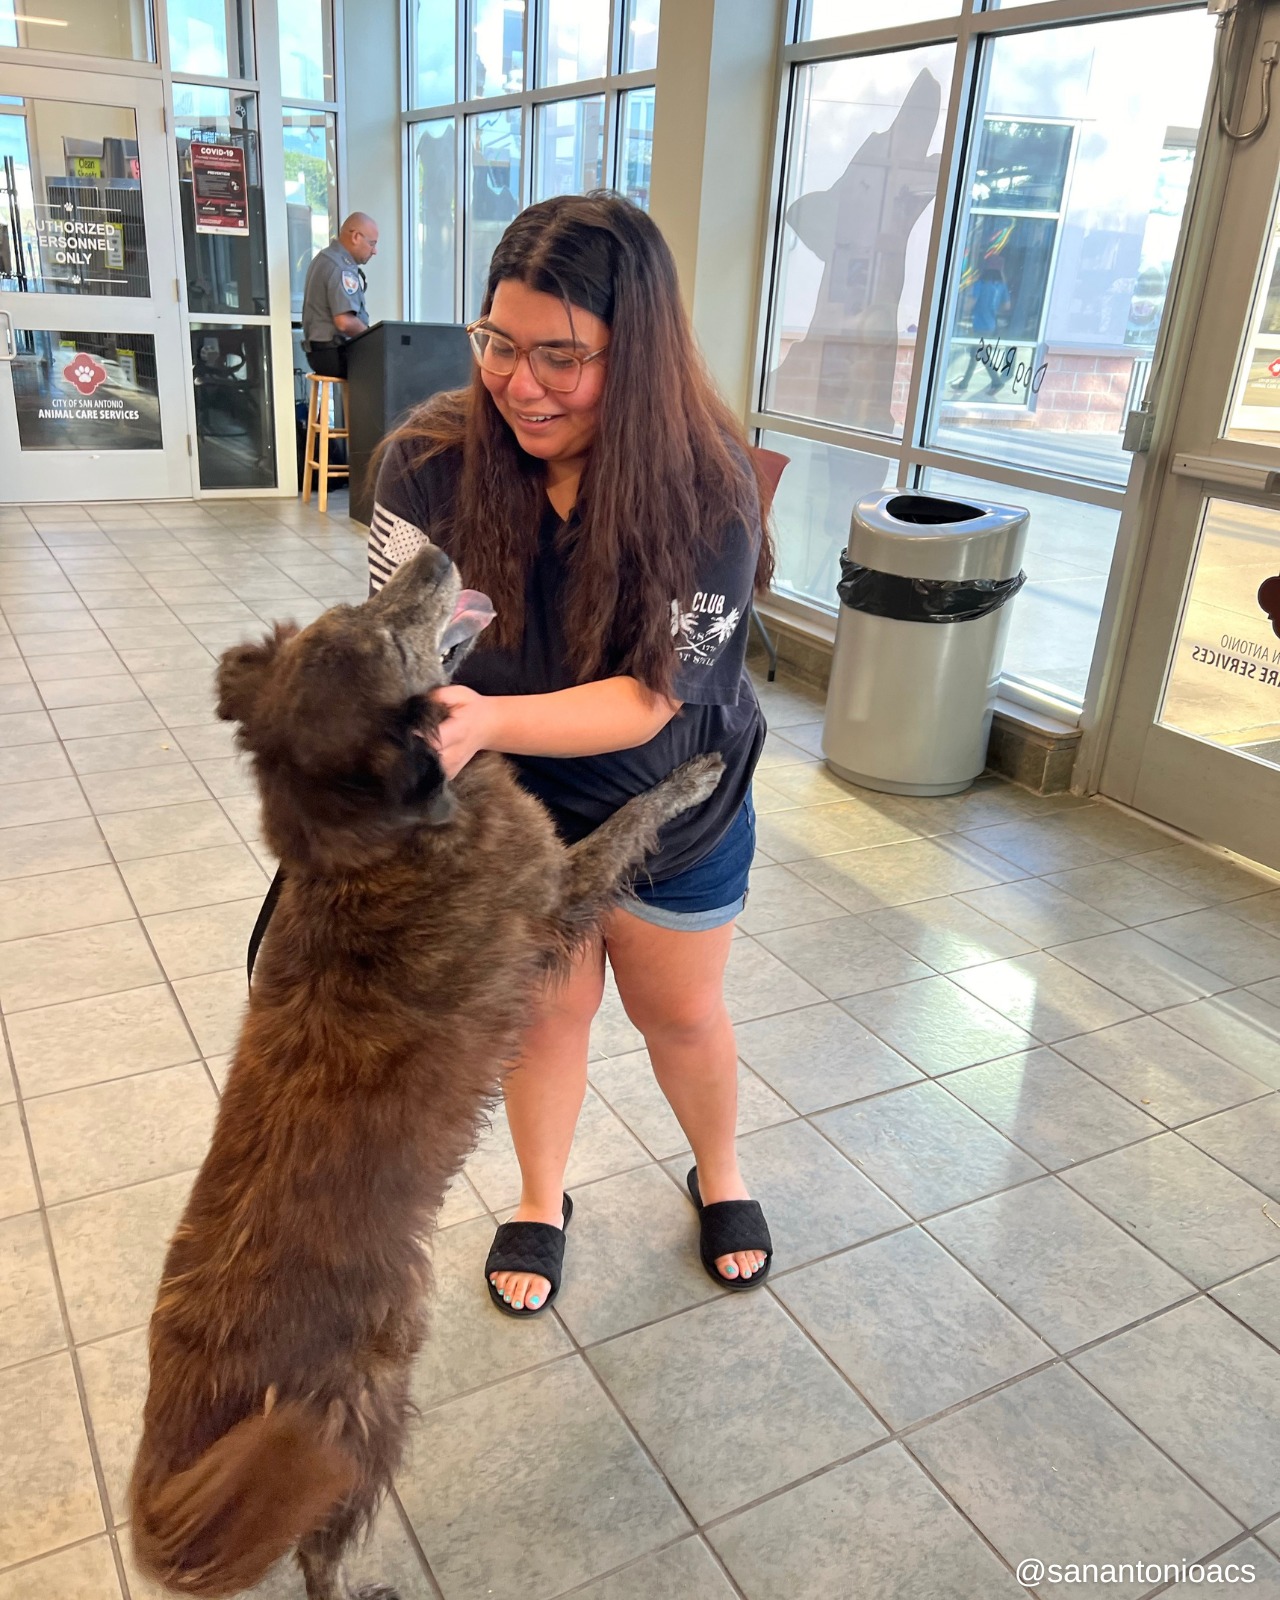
1009, 1095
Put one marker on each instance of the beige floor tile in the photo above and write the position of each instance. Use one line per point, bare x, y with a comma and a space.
26, 727
51, 847
204, 940
116, 689
227, 776
82, 722
48, 1495
17, 1187
167, 830
214, 1005
194, 878
110, 1249
208, 743
49, 800
25, 763
53, 967
97, 665
1045, 996
126, 1131
801, 835
897, 874
87, 1041
77, 642
629, 1088
947, 934
116, 751
132, 791
30, 1321
19, 697
58, 901
757, 984
83, 1572
115, 1382
843, 958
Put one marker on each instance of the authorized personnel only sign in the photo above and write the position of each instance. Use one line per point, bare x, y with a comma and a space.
219, 187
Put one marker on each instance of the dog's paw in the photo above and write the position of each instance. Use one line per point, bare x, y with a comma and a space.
690, 784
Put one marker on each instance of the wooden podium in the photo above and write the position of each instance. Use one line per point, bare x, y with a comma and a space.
391, 369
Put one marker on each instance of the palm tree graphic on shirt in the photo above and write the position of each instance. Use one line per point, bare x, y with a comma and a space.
700, 637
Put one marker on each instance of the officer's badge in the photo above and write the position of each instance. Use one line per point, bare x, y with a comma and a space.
350, 282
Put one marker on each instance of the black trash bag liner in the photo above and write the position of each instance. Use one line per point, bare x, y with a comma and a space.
885, 594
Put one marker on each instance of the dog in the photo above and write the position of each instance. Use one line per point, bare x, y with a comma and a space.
417, 921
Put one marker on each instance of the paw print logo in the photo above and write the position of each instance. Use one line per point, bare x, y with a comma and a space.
1269, 600
86, 373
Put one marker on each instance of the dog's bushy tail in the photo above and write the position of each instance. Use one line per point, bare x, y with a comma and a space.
215, 1528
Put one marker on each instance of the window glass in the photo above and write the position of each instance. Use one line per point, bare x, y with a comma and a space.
636, 145
575, 40
831, 19
494, 154
235, 438
220, 179
811, 510
1224, 679
1255, 405
71, 217
310, 189
434, 221
640, 36
1054, 625
121, 30
211, 38
1076, 185
862, 170
570, 146
86, 391
433, 44
306, 50
497, 47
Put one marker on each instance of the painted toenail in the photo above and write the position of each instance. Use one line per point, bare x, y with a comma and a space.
535, 1300
731, 1271
518, 1305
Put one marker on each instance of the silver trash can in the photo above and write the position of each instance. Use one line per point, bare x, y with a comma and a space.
924, 611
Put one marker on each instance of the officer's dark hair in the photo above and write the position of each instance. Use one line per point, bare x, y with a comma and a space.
670, 469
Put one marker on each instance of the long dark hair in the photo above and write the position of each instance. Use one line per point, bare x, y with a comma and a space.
670, 475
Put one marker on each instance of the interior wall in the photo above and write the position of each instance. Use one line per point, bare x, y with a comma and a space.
713, 131
371, 136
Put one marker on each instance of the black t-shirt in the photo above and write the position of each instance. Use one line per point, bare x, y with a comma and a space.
708, 635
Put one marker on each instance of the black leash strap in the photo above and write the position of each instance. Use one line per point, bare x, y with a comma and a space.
264, 918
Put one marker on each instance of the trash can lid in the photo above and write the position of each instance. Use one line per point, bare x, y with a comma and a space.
918, 535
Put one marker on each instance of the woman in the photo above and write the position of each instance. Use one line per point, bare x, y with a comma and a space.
596, 487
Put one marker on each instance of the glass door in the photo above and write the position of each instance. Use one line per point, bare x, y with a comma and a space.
1195, 738
93, 385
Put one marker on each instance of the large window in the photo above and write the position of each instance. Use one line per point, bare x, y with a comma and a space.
546, 96
308, 83
998, 355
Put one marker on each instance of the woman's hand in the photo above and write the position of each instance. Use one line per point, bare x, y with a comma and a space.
467, 729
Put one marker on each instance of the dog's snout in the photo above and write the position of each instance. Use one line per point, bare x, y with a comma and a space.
440, 566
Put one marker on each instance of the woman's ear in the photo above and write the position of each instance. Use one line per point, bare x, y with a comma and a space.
245, 670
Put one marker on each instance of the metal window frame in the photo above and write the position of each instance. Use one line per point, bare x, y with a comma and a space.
969, 29
614, 86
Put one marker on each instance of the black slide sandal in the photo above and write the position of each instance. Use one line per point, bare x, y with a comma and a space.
727, 1227
534, 1247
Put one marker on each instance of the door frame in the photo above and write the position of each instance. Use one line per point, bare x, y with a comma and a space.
1206, 790
115, 473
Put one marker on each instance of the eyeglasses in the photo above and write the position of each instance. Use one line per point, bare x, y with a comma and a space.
554, 368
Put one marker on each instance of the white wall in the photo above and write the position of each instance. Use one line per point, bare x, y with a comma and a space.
370, 120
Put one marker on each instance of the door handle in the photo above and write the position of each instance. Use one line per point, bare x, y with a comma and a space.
7, 350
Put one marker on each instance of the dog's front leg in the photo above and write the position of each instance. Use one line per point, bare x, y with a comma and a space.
602, 862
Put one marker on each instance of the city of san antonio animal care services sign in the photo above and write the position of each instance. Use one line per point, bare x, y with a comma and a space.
219, 187
70, 399
79, 244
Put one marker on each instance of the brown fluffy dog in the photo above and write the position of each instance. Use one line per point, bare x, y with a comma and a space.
416, 922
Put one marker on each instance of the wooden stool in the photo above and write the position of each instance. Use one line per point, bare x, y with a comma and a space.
320, 393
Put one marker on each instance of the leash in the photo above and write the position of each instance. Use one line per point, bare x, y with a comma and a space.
264, 919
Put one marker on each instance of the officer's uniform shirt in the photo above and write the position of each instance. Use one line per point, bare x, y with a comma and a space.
334, 284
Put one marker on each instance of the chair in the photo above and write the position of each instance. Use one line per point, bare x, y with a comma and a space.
320, 396
771, 464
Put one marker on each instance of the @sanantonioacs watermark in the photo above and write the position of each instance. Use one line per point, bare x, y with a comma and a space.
1032, 1572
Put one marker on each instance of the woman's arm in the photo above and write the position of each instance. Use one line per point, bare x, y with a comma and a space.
614, 714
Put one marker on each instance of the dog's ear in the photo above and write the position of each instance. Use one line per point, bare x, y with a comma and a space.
245, 669
416, 778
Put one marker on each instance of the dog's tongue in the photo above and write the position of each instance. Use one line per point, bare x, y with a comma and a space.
477, 608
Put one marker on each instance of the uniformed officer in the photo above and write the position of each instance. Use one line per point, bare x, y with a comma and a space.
333, 309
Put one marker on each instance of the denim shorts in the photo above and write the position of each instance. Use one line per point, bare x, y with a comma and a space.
708, 894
